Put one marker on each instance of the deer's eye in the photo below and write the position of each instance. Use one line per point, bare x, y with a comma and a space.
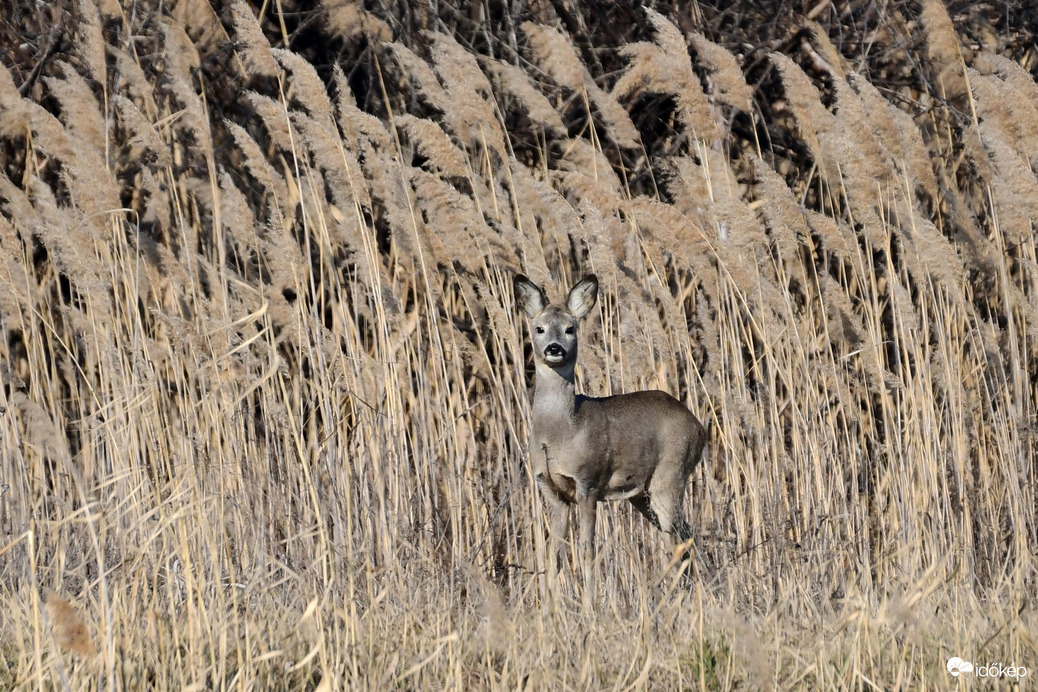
539, 330
569, 330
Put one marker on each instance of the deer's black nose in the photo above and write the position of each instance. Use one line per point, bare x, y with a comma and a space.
554, 351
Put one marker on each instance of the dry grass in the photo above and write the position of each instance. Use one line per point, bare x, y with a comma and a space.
264, 389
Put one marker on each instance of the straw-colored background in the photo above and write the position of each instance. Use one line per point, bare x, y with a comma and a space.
264, 385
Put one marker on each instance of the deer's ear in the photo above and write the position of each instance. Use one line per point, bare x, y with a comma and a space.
530, 297
582, 297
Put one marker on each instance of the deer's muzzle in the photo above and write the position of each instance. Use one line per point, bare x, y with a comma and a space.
554, 353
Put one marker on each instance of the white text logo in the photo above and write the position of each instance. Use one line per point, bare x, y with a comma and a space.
957, 666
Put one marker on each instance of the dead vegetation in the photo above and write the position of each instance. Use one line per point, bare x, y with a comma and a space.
263, 405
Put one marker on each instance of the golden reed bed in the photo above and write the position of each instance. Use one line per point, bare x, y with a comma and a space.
264, 400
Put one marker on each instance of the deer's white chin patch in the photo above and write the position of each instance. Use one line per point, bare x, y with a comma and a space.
554, 359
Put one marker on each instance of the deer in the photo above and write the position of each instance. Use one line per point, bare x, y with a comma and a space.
640, 446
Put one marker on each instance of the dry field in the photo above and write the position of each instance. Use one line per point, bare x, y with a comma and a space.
265, 388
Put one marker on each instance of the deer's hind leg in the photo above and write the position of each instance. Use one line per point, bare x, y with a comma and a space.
672, 523
644, 507
666, 499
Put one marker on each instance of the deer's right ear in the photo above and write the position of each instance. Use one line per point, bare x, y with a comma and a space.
530, 297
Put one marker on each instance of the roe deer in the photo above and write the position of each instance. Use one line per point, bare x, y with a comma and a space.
640, 446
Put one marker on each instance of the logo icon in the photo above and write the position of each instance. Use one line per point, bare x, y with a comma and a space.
956, 666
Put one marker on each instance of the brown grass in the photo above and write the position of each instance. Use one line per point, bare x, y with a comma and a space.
263, 388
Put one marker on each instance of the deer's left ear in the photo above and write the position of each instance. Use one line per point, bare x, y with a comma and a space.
582, 297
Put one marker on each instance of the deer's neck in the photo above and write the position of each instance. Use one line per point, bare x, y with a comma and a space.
554, 392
